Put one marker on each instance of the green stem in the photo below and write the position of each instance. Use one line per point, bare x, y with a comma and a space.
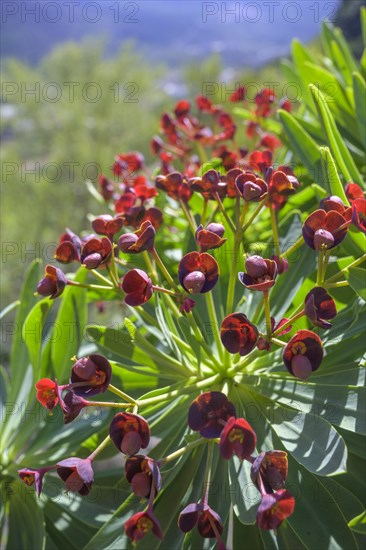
278, 342
267, 312
100, 448
206, 483
113, 267
121, 394
181, 451
164, 271
224, 213
100, 276
188, 215
189, 387
164, 290
254, 215
214, 323
275, 232
336, 285
289, 322
90, 286
243, 214
319, 277
300, 241
213, 215
204, 212
343, 271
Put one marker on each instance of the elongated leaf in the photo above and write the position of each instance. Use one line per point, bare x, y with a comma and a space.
245, 497
331, 175
339, 150
32, 332
304, 147
357, 279
359, 90
69, 327
358, 524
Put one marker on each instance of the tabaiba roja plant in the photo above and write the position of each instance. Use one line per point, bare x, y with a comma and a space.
225, 311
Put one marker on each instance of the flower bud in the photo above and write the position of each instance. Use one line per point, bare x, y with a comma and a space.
323, 239
193, 282
256, 266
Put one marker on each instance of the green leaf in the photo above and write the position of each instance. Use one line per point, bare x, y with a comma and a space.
359, 90
356, 276
32, 332
339, 150
69, 327
245, 497
304, 147
25, 521
331, 175
358, 524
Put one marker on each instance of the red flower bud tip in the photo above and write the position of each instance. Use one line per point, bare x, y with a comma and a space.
261, 273
359, 214
209, 413
274, 509
69, 248
323, 239
140, 524
282, 264
106, 188
53, 283
237, 438
47, 393
142, 239
187, 305
129, 432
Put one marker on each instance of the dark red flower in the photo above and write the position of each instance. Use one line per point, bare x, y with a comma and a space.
280, 186
174, 185
125, 202
198, 272
95, 252
229, 159
72, 405
238, 95
274, 509
209, 413
153, 215
359, 214
319, 307
303, 354
230, 178
47, 393
53, 282
250, 187
285, 104
333, 203
210, 238
205, 105
126, 163
94, 371
107, 225
260, 273
156, 145
140, 524
264, 100
106, 188
209, 184
270, 141
353, 192
260, 160
138, 287
31, 476
272, 467
206, 519
68, 249
77, 474
142, 239
129, 432
142, 473
182, 108
323, 230
144, 192
237, 438
238, 334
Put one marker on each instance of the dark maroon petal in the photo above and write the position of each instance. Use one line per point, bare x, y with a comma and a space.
188, 517
238, 438
96, 369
